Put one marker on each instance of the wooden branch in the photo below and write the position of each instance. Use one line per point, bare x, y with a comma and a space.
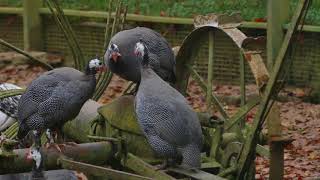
28, 55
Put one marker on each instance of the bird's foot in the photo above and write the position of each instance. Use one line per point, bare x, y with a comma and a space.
53, 145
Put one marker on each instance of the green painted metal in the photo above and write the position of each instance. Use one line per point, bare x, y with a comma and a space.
197, 174
247, 154
93, 153
242, 85
140, 167
263, 151
32, 26
241, 113
216, 142
101, 172
210, 71
204, 87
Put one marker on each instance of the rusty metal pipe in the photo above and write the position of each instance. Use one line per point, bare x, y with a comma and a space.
93, 153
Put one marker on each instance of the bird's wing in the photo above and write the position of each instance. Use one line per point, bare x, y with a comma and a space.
37, 92
65, 101
164, 120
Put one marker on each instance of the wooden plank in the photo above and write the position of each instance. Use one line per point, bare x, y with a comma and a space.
248, 151
32, 31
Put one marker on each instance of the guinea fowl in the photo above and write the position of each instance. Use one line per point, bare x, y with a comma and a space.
121, 61
54, 98
8, 106
170, 125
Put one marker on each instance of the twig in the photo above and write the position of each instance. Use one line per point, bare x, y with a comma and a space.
33, 59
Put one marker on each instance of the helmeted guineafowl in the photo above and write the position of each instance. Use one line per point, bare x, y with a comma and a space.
8, 106
170, 125
120, 59
55, 97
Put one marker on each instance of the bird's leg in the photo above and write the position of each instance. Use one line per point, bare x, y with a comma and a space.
35, 155
51, 142
62, 138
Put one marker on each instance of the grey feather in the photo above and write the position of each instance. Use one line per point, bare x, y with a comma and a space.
169, 123
54, 98
127, 66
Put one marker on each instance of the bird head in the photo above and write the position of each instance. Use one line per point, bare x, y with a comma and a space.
141, 51
34, 154
93, 66
113, 52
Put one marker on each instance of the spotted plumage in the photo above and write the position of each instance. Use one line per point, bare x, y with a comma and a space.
121, 60
55, 97
170, 125
9, 105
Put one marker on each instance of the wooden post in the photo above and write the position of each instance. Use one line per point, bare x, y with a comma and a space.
32, 31
278, 14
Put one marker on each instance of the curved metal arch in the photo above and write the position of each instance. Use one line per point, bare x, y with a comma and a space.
251, 48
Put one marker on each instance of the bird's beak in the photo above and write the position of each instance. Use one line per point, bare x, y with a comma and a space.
102, 68
115, 56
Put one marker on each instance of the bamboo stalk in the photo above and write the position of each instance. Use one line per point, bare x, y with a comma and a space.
106, 77
73, 36
28, 55
64, 31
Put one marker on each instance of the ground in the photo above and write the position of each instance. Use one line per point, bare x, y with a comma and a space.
300, 120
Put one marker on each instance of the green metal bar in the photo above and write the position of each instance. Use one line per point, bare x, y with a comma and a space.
94, 153
241, 113
32, 27
242, 86
199, 175
262, 151
98, 170
28, 55
203, 86
140, 167
216, 142
142, 18
210, 70
248, 150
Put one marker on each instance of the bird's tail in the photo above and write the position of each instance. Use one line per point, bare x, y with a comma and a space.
23, 131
